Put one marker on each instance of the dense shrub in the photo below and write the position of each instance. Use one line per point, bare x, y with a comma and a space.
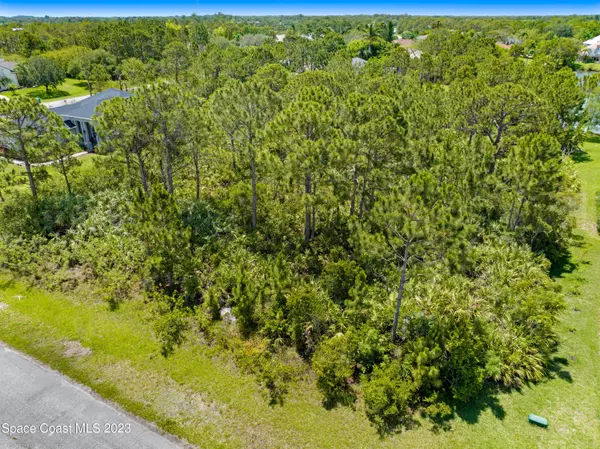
169, 323
49, 216
311, 313
389, 395
334, 368
338, 277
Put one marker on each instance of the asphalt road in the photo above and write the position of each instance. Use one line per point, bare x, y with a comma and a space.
62, 415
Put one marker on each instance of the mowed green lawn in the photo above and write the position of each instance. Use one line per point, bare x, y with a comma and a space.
200, 396
593, 66
70, 88
20, 183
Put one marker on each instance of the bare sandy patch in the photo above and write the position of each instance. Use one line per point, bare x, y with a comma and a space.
588, 225
75, 349
163, 394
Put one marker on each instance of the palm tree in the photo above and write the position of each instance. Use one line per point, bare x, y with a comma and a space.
388, 31
372, 32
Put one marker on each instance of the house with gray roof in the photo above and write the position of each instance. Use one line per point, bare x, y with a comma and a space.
592, 48
78, 116
7, 70
358, 63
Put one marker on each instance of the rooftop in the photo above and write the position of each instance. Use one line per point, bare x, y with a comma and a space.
10, 65
358, 62
503, 45
84, 109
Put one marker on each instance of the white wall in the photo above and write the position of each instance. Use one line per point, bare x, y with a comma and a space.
11, 75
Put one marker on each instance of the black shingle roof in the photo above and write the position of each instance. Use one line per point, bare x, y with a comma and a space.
84, 109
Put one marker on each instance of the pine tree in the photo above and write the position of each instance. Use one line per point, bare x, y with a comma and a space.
157, 223
30, 131
417, 221
309, 151
243, 110
125, 127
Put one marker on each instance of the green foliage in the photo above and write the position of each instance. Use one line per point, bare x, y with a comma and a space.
378, 225
388, 397
96, 67
247, 295
176, 58
275, 376
310, 313
28, 131
134, 71
334, 369
169, 322
368, 47
40, 71
157, 224
50, 216
562, 51
339, 279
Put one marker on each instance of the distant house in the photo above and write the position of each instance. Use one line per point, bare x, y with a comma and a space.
503, 45
279, 37
7, 69
358, 62
422, 37
414, 53
592, 48
78, 116
17, 29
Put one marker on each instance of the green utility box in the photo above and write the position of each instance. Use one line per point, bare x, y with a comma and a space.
538, 420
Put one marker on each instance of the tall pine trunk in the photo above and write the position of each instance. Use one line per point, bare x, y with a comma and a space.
197, 174
168, 161
63, 169
32, 185
400, 292
143, 174
253, 166
307, 211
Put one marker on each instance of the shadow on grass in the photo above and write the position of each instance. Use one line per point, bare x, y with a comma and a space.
488, 399
442, 422
581, 156
593, 138
48, 96
563, 264
343, 399
470, 412
7, 284
555, 369
81, 84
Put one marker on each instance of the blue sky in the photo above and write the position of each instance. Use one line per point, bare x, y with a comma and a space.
274, 7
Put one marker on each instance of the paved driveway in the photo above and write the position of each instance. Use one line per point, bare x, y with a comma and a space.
41, 409
64, 102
